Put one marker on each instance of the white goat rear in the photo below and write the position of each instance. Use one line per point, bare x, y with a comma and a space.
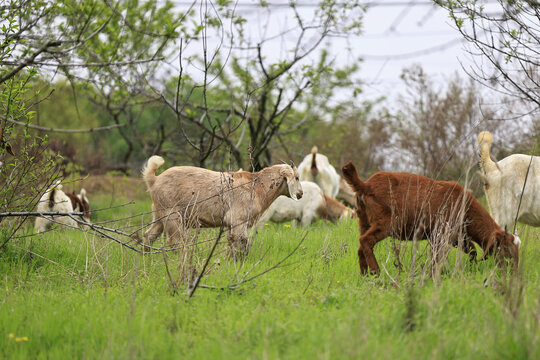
503, 185
54, 200
316, 168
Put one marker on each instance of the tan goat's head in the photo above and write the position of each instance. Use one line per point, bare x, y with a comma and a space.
293, 181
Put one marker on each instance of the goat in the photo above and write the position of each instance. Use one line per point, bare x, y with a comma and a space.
504, 182
80, 203
54, 200
185, 197
346, 193
314, 204
408, 207
316, 168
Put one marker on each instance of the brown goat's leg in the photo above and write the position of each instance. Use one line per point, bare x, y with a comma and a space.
362, 218
367, 243
362, 261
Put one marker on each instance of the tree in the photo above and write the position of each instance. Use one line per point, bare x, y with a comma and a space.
47, 38
434, 130
247, 98
504, 37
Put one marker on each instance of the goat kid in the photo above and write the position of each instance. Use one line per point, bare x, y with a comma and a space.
408, 206
503, 185
186, 197
314, 204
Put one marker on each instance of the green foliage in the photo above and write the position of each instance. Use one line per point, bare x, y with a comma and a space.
25, 165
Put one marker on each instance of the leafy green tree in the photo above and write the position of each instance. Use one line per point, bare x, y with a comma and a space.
249, 98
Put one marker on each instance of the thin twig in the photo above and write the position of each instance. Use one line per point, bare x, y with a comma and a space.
198, 279
521, 196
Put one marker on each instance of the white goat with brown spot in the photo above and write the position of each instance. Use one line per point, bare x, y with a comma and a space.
313, 205
54, 200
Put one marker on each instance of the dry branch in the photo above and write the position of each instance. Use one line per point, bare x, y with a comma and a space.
70, 131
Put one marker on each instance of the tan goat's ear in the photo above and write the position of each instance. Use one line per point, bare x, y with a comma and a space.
287, 172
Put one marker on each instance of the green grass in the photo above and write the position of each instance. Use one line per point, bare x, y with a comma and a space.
74, 295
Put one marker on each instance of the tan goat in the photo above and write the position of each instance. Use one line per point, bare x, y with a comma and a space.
186, 197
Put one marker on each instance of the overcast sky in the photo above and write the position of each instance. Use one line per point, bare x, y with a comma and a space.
398, 36
395, 35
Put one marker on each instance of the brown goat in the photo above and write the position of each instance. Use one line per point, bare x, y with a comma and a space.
408, 206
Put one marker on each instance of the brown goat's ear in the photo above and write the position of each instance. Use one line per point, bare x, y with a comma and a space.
491, 246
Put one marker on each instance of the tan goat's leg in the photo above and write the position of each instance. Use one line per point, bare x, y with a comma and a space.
154, 232
238, 242
155, 229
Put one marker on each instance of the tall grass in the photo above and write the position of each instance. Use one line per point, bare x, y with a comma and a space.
68, 294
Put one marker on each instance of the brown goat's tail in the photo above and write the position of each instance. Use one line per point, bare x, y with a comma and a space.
484, 143
149, 170
351, 176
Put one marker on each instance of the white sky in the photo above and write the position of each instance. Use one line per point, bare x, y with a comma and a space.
395, 35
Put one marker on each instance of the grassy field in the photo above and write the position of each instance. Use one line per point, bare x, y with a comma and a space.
73, 295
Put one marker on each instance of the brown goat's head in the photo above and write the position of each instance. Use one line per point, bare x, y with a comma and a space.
505, 245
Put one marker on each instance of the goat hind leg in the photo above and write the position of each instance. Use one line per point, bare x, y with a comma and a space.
362, 261
153, 233
367, 243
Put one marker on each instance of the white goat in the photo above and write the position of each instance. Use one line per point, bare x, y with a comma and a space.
316, 168
80, 203
54, 200
314, 204
346, 193
184, 197
503, 185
